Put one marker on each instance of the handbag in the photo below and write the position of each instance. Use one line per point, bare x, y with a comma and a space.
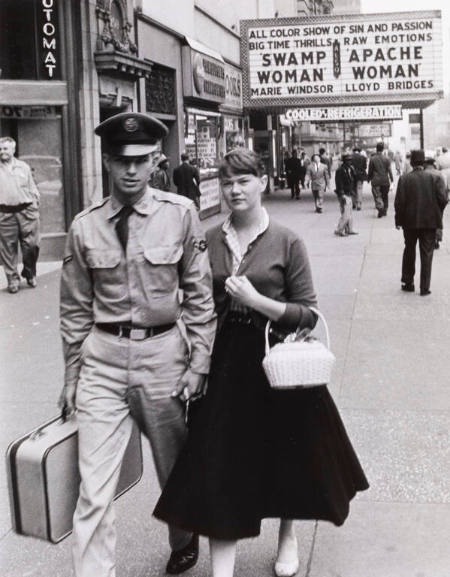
300, 360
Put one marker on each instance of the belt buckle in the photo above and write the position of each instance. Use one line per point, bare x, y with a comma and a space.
138, 334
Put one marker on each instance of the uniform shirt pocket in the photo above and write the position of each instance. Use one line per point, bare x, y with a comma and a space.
161, 263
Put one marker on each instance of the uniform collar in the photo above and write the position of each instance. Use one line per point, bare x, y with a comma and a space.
144, 206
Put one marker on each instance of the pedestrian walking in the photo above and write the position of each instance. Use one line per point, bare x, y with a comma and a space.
304, 161
359, 163
132, 349
419, 204
293, 169
253, 451
160, 178
345, 179
430, 166
19, 217
443, 164
325, 159
380, 176
407, 164
317, 178
187, 180
398, 162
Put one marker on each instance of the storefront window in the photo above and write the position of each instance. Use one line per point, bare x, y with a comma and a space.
234, 133
202, 145
37, 131
201, 142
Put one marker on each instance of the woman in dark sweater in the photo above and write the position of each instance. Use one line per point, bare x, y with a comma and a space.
254, 452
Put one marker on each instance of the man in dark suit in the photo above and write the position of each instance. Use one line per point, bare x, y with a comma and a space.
292, 168
380, 176
419, 203
359, 163
187, 180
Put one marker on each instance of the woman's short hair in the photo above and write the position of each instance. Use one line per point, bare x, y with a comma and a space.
241, 161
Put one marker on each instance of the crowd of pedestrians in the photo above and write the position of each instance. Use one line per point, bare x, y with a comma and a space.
422, 188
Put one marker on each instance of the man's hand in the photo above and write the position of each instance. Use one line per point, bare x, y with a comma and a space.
66, 400
190, 386
398, 227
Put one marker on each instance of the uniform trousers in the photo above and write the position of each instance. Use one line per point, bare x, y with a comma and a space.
380, 194
19, 228
121, 380
426, 238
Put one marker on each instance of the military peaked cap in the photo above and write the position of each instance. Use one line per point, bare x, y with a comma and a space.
131, 133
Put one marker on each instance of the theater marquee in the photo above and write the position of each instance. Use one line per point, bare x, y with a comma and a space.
376, 58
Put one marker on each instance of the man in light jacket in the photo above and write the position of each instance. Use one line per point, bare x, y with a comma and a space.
317, 177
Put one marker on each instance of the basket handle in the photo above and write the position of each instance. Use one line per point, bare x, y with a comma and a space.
315, 311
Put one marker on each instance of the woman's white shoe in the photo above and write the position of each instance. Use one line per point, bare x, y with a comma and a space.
286, 569
290, 564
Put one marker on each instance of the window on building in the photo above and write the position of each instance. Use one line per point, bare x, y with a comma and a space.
160, 91
37, 131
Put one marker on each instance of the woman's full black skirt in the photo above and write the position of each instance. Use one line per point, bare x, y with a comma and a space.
254, 452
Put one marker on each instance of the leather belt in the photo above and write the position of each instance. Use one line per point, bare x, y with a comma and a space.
134, 333
13, 208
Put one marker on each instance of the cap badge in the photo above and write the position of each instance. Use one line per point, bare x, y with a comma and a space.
130, 125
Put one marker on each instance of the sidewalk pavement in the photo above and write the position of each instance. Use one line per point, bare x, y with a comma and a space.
390, 384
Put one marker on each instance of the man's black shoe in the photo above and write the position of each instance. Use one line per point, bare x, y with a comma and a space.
380, 213
425, 293
183, 559
408, 287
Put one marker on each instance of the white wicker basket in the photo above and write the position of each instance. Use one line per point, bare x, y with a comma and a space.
304, 363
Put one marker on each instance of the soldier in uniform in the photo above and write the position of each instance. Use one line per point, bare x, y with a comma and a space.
133, 349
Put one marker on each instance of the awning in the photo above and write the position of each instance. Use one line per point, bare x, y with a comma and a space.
199, 47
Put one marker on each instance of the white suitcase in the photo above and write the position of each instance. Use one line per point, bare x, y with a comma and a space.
43, 478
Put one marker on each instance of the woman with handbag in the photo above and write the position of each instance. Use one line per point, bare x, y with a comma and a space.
254, 452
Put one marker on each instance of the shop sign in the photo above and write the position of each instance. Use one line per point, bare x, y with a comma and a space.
48, 36
349, 59
203, 76
29, 112
210, 194
233, 87
375, 130
343, 113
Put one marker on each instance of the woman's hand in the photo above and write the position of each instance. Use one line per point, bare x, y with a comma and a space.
242, 290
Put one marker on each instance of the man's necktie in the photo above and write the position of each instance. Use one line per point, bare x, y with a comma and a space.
122, 225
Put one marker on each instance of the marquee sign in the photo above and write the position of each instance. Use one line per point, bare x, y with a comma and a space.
371, 58
343, 113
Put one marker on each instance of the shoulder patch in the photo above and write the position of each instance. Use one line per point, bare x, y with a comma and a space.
91, 208
200, 244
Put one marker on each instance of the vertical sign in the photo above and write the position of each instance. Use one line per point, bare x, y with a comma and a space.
48, 40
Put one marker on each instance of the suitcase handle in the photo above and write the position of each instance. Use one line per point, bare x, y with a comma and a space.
39, 431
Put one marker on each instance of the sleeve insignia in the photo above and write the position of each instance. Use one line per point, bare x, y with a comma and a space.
200, 244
